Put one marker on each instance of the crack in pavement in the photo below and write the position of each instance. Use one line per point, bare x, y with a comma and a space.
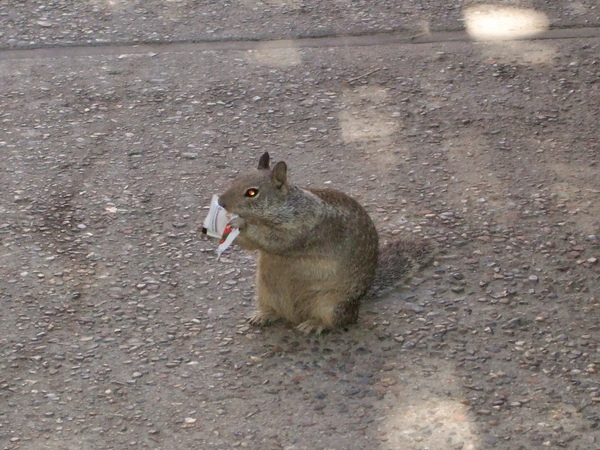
403, 38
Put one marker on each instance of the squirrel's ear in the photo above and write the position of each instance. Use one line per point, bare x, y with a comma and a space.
279, 174
263, 162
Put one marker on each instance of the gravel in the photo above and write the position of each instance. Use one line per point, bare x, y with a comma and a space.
34, 23
121, 329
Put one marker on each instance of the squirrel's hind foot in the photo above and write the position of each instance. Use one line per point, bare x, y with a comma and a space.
311, 325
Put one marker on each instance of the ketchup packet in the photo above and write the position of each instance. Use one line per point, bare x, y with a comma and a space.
217, 225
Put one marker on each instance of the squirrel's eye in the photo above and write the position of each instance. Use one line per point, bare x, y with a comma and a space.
251, 192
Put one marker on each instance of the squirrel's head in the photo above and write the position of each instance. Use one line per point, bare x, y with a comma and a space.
258, 194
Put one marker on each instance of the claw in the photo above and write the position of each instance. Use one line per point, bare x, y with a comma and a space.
310, 325
259, 319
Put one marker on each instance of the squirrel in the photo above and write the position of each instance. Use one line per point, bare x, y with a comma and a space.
318, 249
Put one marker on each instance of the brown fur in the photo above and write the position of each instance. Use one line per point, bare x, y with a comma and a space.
318, 248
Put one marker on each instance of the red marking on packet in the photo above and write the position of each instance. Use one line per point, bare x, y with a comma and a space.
229, 235
226, 232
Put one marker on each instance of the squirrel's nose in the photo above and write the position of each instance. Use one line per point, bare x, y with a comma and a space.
221, 203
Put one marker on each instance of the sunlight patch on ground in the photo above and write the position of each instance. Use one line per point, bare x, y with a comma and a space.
427, 412
433, 423
364, 126
276, 54
361, 118
111, 5
492, 22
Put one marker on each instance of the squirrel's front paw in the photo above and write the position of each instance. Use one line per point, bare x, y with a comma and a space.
238, 223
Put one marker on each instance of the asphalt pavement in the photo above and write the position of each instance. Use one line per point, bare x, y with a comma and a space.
471, 125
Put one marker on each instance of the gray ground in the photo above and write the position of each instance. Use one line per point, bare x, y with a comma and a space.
120, 328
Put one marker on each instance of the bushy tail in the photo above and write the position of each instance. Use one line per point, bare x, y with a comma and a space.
398, 260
